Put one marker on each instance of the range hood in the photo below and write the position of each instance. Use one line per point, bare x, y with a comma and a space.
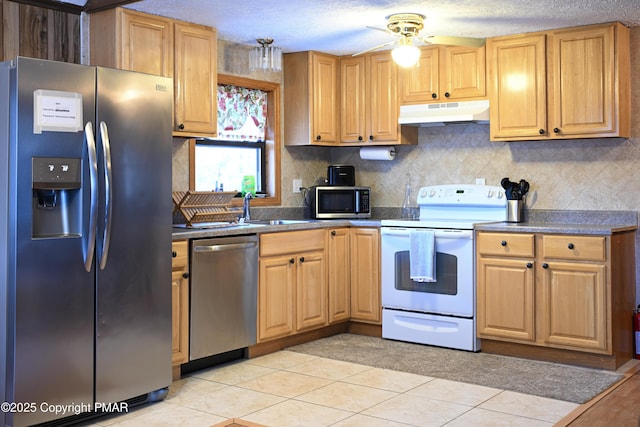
441, 114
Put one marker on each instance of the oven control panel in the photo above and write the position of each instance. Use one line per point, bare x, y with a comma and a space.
462, 195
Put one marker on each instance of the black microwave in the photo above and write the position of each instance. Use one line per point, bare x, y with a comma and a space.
339, 202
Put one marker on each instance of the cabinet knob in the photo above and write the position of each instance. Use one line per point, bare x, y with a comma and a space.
447, 94
503, 243
318, 138
434, 95
370, 137
301, 259
529, 265
360, 138
556, 130
185, 275
570, 246
333, 232
545, 265
174, 254
541, 131
181, 126
291, 261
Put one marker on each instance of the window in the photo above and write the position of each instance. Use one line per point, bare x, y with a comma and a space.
247, 143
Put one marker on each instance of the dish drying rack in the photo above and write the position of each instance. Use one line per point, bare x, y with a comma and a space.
205, 206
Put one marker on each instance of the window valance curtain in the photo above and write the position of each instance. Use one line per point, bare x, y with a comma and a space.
242, 113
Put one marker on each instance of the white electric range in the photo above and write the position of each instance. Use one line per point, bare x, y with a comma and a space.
441, 312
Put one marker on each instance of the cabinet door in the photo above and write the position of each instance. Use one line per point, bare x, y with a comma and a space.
517, 88
180, 302
574, 306
383, 99
420, 83
506, 299
195, 82
276, 295
339, 275
311, 291
582, 70
179, 317
324, 70
147, 43
352, 99
365, 274
463, 73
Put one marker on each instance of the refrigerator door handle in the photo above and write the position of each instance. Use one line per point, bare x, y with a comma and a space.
108, 205
90, 246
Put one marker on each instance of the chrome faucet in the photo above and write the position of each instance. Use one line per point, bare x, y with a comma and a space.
245, 207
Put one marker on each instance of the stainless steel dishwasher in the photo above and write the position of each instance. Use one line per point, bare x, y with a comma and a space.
224, 294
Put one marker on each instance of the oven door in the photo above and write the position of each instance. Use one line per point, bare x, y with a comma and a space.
453, 292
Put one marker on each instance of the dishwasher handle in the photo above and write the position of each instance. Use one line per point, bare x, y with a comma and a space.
222, 248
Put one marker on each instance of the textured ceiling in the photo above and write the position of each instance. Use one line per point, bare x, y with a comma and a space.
340, 26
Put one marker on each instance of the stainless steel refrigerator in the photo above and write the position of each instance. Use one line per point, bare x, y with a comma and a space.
85, 238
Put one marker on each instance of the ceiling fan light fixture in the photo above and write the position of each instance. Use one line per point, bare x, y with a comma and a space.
265, 57
406, 54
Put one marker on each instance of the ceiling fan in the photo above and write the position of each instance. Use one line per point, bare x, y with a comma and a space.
407, 26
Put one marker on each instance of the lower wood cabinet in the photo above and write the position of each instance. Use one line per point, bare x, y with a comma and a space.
364, 246
567, 292
339, 274
180, 302
292, 286
309, 279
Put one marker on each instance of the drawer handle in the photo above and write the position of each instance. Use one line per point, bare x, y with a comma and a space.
503, 243
174, 254
570, 246
185, 275
529, 265
545, 265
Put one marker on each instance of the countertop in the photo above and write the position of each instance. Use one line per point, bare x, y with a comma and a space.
535, 221
568, 222
556, 228
199, 232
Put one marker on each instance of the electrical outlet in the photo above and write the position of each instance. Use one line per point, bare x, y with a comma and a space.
297, 183
480, 181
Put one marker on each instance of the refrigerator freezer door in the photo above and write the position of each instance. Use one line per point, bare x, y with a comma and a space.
133, 318
50, 295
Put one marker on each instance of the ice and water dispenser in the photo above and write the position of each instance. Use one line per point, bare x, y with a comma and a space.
57, 198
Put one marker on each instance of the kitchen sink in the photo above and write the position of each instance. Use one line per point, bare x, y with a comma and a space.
282, 221
214, 225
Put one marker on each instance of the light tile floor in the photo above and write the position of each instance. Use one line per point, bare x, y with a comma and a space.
293, 389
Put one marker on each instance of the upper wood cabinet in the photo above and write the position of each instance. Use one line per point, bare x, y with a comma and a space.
135, 41
310, 98
569, 83
195, 83
369, 102
443, 74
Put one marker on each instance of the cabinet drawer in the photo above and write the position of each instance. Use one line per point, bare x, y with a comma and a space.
505, 244
292, 242
181, 250
591, 248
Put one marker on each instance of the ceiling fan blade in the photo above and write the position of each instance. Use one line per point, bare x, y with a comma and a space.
454, 41
384, 30
374, 48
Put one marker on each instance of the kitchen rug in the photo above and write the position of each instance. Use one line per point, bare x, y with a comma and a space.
556, 381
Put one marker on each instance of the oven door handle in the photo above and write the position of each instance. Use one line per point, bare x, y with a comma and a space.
440, 234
